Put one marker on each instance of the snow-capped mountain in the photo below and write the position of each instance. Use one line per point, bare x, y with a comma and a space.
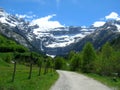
62, 36
108, 32
15, 28
50, 36
55, 40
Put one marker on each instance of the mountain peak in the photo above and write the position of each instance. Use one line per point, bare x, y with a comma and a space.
53, 38
9, 19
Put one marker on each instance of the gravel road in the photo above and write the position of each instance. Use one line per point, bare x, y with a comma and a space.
74, 81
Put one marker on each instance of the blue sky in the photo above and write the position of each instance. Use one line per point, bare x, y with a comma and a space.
65, 12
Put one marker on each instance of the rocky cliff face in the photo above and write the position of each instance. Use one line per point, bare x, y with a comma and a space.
56, 41
109, 31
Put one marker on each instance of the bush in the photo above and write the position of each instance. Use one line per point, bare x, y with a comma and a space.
59, 63
8, 58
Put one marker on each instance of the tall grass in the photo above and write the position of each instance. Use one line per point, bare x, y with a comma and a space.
42, 82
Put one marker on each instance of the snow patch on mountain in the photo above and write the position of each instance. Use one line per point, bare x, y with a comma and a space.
62, 41
4, 19
59, 44
51, 55
118, 27
50, 36
11, 20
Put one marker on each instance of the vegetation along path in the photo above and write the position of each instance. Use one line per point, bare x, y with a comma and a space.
74, 81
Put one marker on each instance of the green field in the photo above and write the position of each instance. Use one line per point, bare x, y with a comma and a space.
9, 51
21, 82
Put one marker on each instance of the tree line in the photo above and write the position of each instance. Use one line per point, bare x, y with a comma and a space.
105, 61
42, 63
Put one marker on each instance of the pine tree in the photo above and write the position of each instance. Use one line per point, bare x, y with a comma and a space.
89, 57
59, 63
40, 65
107, 59
75, 62
71, 54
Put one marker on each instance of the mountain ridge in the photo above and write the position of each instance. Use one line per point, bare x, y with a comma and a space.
59, 40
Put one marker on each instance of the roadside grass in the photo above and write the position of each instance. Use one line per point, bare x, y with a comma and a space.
2, 63
42, 82
115, 85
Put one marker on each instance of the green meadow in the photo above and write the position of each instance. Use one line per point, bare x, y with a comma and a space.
21, 81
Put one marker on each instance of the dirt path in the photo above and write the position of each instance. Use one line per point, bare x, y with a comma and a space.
73, 81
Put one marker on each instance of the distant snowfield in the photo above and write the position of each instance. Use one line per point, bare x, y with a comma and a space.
44, 29
50, 34
65, 40
118, 27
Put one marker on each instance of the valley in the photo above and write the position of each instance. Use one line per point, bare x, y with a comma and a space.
40, 50
58, 40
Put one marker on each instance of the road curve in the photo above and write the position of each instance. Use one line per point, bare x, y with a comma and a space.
74, 81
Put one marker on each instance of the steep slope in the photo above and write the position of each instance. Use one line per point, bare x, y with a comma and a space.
108, 32
16, 29
116, 43
45, 39
8, 45
56, 40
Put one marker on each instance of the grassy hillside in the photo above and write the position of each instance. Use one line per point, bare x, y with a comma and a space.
42, 73
42, 82
7, 45
10, 50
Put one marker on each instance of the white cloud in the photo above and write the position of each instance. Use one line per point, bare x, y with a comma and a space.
98, 23
113, 15
25, 16
45, 22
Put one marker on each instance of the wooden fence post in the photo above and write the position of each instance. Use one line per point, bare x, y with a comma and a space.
45, 70
13, 76
40, 66
30, 73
